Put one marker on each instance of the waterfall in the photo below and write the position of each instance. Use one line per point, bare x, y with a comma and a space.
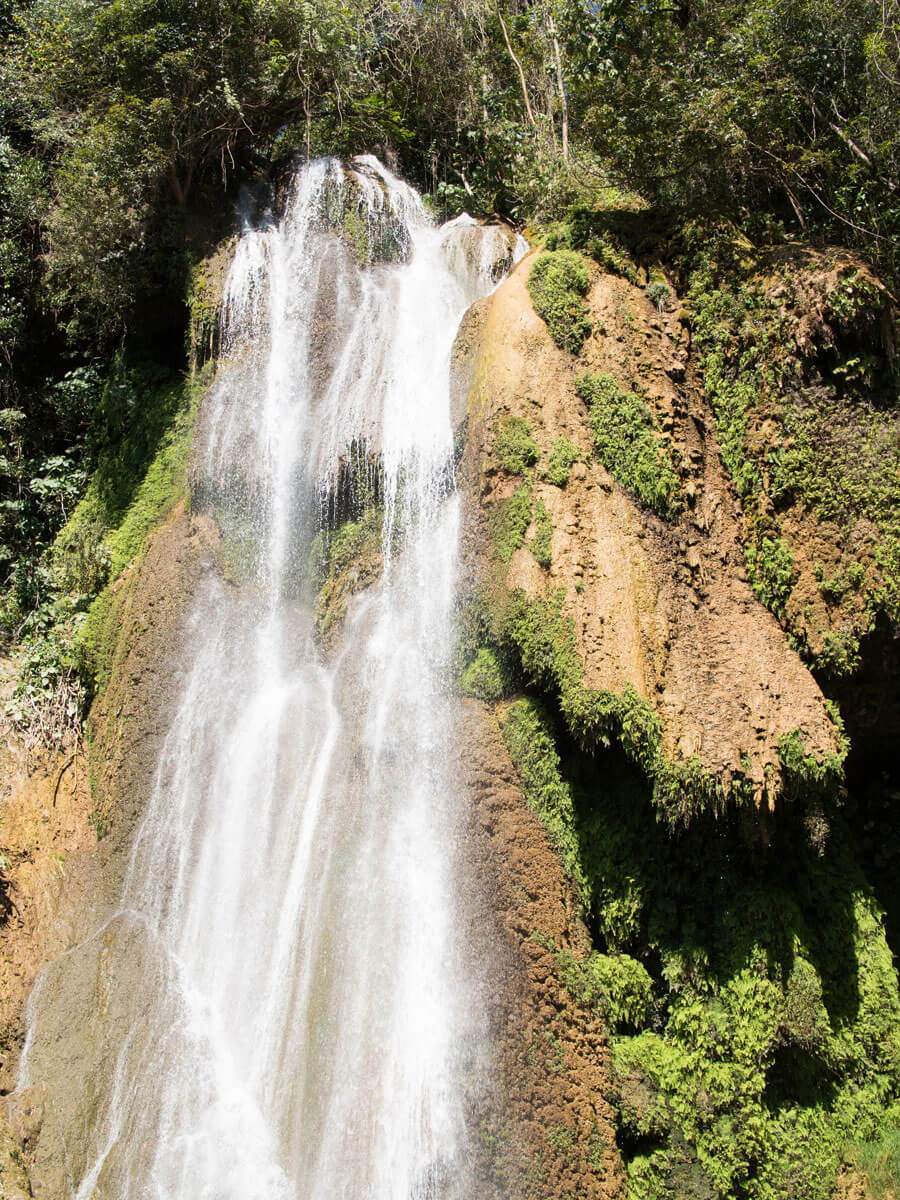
309, 1020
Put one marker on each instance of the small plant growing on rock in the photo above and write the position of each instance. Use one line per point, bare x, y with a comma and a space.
557, 285
626, 442
486, 677
509, 523
540, 545
771, 569
514, 447
659, 293
562, 457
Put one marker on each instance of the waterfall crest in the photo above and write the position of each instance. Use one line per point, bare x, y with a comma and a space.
309, 1019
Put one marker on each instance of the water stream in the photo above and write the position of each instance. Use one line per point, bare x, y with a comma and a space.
310, 1018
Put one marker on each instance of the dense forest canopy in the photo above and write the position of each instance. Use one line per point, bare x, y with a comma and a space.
127, 126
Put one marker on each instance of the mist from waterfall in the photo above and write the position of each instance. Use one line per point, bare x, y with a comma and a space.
311, 1019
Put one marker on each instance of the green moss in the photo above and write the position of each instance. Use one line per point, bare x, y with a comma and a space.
809, 774
627, 444
528, 734
563, 455
770, 565
163, 484
509, 523
341, 563
557, 284
541, 544
617, 987
807, 418
486, 677
542, 638
584, 230
514, 448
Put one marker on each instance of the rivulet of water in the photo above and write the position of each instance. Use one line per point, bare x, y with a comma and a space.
310, 1017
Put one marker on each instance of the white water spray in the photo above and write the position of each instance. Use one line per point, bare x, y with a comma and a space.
311, 1019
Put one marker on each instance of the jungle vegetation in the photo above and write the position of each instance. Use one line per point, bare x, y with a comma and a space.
749, 990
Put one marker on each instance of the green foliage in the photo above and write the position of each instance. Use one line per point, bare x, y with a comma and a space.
541, 638
509, 523
616, 986
771, 571
48, 698
514, 448
796, 433
126, 500
585, 228
528, 734
777, 116
563, 454
341, 563
557, 284
759, 1007
659, 293
541, 544
627, 444
879, 1161
486, 677
806, 773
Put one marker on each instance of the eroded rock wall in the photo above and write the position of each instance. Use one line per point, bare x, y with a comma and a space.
661, 606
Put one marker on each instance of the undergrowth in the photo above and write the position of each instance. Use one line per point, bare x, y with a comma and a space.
748, 989
142, 431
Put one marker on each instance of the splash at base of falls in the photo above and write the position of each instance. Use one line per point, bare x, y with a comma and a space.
285, 1006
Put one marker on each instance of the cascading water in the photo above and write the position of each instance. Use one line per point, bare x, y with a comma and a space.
309, 1021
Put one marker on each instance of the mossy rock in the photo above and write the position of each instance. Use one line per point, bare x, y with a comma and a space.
557, 285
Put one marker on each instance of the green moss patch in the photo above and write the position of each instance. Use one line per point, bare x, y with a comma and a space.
557, 286
563, 455
514, 448
163, 484
807, 415
341, 563
527, 732
509, 523
541, 544
627, 443
542, 639
485, 677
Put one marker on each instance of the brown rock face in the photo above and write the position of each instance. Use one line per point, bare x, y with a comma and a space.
546, 1131
662, 606
63, 881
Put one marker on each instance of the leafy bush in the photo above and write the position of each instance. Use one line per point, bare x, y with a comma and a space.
617, 986
771, 570
486, 677
659, 293
562, 457
626, 442
514, 447
557, 285
541, 543
509, 523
